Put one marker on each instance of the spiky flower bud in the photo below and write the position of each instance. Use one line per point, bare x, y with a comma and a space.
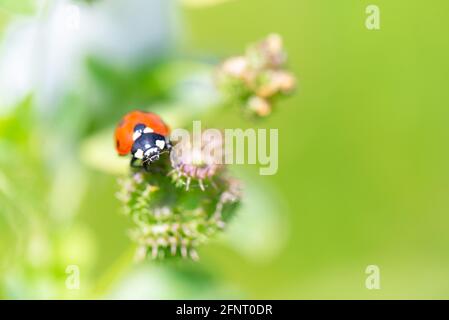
171, 221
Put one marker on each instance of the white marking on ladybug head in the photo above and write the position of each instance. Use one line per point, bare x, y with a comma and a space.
139, 154
147, 130
147, 146
151, 151
136, 135
160, 144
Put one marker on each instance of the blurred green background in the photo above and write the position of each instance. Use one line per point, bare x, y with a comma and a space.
363, 160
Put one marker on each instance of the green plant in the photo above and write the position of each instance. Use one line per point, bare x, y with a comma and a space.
184, 199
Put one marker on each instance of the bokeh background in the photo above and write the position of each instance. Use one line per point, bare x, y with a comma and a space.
363, 158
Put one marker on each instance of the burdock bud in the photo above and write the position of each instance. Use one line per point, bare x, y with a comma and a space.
172, 221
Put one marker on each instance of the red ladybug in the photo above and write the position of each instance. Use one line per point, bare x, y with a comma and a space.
144, 134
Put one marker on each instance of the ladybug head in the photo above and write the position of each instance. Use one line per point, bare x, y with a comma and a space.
148, 146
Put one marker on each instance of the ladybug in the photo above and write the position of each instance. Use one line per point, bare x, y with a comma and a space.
144, 135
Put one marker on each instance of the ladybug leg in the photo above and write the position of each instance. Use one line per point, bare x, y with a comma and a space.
133, 163
146, 165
